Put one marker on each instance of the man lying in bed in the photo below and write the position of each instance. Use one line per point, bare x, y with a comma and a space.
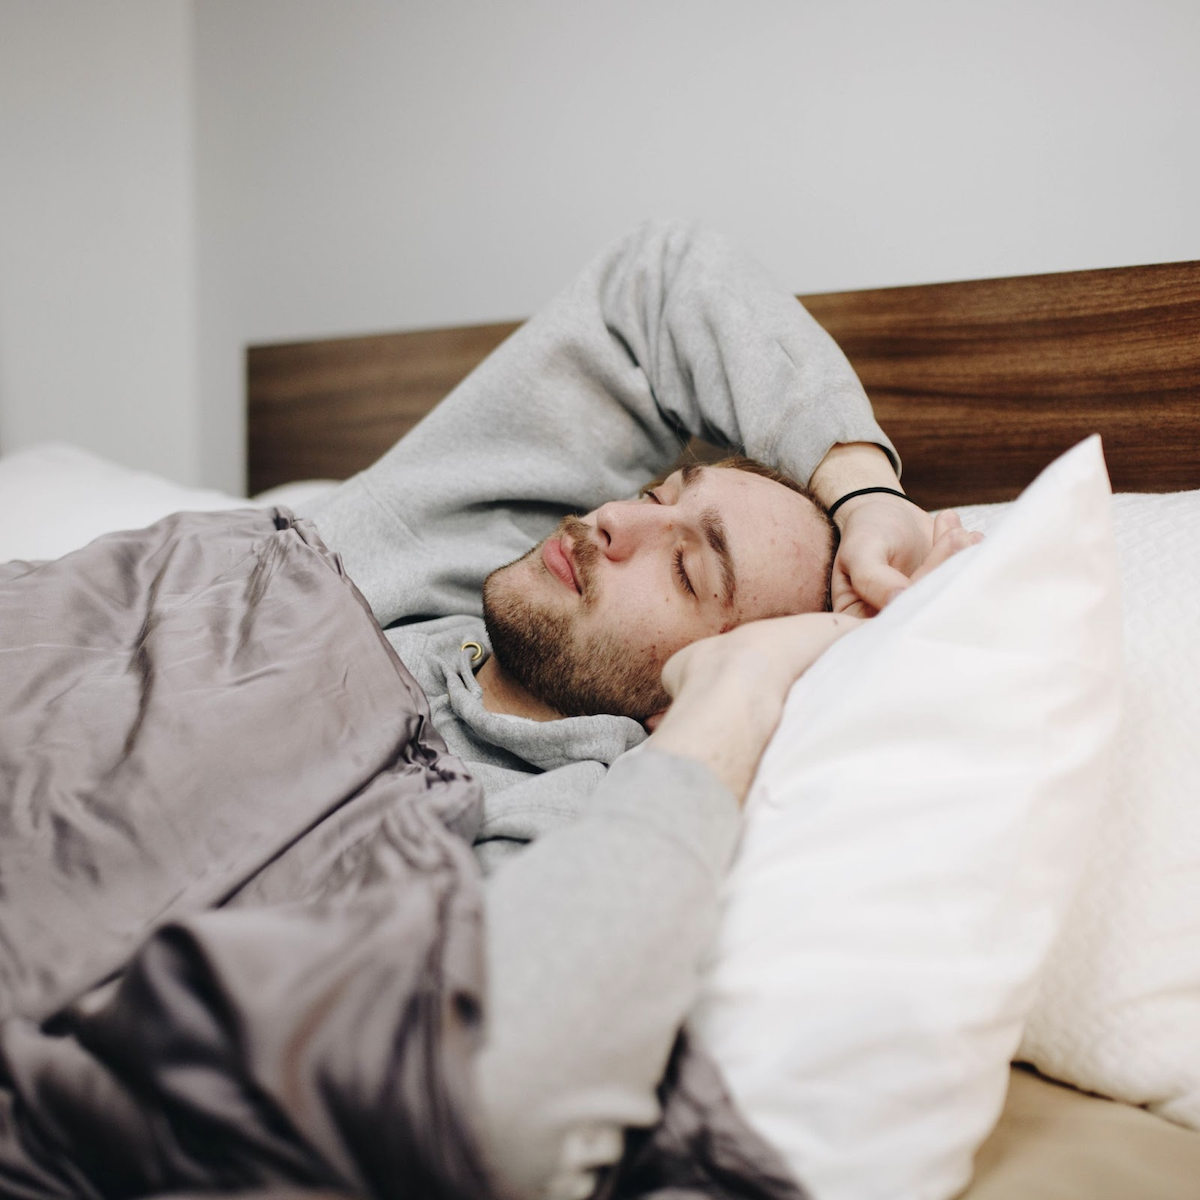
670, 333
594, 936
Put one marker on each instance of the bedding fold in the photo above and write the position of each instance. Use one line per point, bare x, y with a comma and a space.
186, 707
220, 792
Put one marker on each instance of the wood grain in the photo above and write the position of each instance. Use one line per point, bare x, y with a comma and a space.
980, 384
325, 409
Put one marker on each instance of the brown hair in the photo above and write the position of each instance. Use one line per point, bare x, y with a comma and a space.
740, 462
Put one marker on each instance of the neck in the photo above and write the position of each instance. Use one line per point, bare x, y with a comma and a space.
503, 694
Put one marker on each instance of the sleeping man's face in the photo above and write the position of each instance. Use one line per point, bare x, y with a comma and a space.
586, 620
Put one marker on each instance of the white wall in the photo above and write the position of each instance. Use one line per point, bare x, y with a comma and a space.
369, 166
376, 164
97, 275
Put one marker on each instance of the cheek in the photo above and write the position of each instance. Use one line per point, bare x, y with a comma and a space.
640, 627
659, 639
647, 617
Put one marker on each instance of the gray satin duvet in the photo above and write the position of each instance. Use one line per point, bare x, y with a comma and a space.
240, 922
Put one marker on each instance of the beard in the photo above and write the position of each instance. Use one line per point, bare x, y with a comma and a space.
541, 646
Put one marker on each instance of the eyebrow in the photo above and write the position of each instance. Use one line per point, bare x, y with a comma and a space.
714, 533
713, 528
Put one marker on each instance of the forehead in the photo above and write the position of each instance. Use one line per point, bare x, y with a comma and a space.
779, 543
741, 497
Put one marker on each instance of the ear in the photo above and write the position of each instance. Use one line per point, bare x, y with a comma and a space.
652, 722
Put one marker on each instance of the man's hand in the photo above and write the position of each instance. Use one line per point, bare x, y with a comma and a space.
886, 541
887, 544
728, 691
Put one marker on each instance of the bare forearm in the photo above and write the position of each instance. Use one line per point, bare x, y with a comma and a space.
729, 691
725, 726
850, 466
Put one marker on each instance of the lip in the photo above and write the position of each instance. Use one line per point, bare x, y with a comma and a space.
557, 558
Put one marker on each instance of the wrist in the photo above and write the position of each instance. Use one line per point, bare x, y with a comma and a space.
850, 466
849, 498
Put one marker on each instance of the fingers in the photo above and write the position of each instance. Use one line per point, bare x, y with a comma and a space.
854, 606
865, 580
944, 522
873, 584
842, 596
951, 542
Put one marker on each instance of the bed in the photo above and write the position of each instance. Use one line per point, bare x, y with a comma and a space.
981, 384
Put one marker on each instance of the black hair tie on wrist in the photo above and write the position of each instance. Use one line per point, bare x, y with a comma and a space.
867, 492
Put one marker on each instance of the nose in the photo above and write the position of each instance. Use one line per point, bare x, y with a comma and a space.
623, 527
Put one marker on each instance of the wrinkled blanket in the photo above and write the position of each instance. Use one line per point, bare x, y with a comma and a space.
221, 793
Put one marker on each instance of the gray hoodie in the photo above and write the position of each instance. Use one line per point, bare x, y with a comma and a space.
670, 332
595, 936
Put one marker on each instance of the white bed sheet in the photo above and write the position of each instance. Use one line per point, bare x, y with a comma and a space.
56, 497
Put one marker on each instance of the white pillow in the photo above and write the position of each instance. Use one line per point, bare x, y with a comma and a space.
1118, 1007
914, 836
297, 496
56, 498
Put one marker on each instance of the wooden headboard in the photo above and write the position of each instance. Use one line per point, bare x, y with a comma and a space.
979, 384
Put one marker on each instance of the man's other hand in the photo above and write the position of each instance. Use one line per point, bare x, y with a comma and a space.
728, 691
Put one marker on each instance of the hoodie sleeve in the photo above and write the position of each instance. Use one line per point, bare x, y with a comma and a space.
595, 937
670, 332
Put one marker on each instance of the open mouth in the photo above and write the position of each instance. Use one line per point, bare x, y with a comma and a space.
558, 562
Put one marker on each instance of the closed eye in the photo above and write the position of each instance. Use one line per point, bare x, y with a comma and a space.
648, 493
681, 571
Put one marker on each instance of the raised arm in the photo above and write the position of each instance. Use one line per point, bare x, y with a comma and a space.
668, 333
